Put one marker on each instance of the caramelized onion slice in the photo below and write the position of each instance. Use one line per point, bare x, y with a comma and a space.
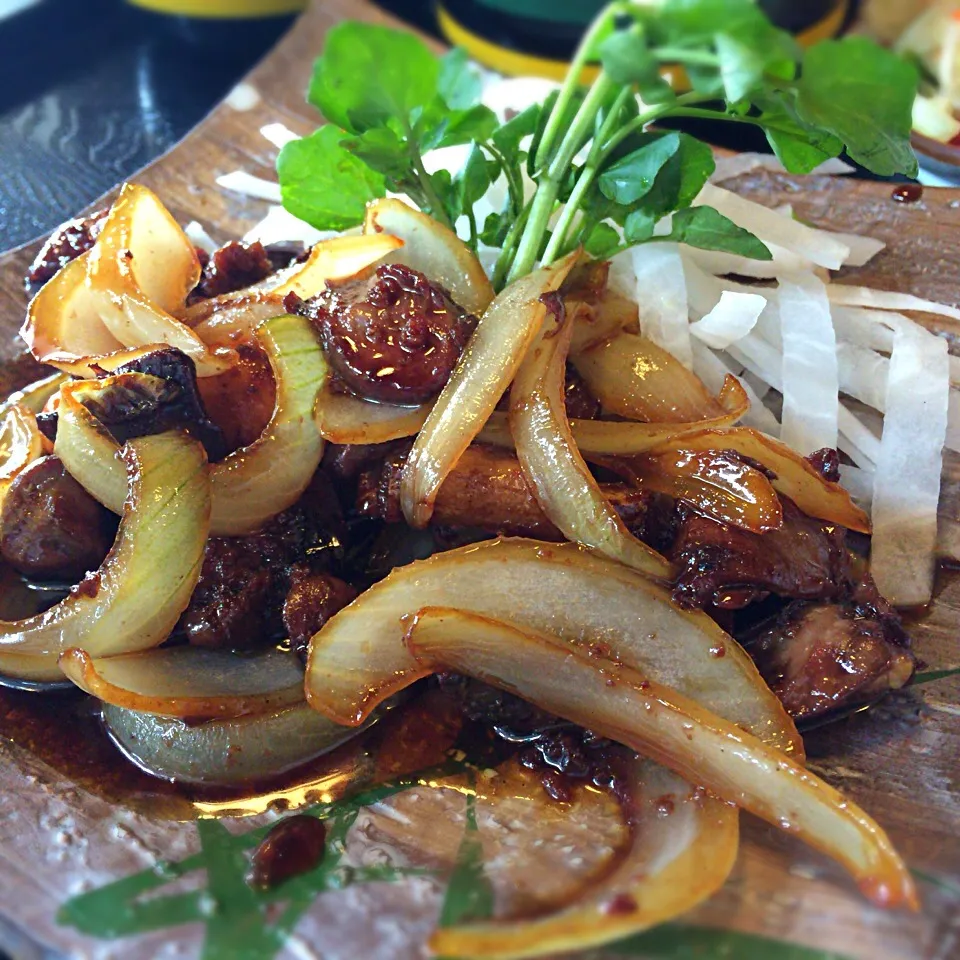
625, 438
256, 482
622, 704
633, 377
133, 601
232, 317
339, 258
794, 476
481, 376
224, 752
21, 442
673, 863
344, 418
434, 250
357, 659
252, 484
714, 483
561, 481
189, 682
35, 395
122, 293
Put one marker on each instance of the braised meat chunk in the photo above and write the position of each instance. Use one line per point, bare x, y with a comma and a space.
50, 527
820, 656
66, 243
728, 567
313, 598
394, 337
233, 266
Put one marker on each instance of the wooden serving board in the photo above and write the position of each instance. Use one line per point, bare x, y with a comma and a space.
901, 761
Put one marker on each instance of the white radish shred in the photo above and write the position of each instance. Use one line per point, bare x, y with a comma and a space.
730, 320
280, 225
239, 181
817, 246
810, 383
863, 375
279, 134
857, 440
859, 484
661, 292
199, 237
862, 249
712, 370
850, 296
907, 483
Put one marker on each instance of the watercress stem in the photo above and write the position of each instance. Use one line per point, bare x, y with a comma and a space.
514, 182
509, 247
571, 81
549, 185
671, 108
437, 210
702, 58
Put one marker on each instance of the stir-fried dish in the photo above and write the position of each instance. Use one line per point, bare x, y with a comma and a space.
579, 469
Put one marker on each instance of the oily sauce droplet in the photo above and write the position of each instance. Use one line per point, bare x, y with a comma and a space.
907, 193
292, 847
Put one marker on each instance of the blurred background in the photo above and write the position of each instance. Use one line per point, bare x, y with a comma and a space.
91, 91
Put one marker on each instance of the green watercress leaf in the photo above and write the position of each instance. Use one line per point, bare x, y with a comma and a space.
638, 226
864, 95
381, 150
798, 147
627, 60
459, 83
602, 241
749, 57
506, 138
475, 125
323, 183
473, 181
708, 229
369, 75
632, 177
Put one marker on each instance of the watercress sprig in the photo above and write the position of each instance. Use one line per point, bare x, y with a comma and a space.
587, 167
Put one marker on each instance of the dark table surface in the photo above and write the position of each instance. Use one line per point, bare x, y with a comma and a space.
91, 91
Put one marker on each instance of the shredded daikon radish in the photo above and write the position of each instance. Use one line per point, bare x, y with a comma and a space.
279, 134
907, 483
857, 440
760, 358
859, 484
862, 249
810, 380
199, 237
850, 296
246, 183
817, 246
784, 261
712, 371
730, 320
863, 374
703, 289
280, 225
866, 328
661, 292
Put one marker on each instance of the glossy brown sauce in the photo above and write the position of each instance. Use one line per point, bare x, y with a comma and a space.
63, 730
907, 193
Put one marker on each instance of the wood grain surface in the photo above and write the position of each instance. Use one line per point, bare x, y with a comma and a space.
901, 760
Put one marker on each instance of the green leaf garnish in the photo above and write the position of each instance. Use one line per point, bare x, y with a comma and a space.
602, 178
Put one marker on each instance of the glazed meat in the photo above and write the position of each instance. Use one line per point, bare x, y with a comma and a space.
729, 567
486, 491
240, 401
239, 600
580, 403
313, 598
821, 656
66, 243
394, 337
233, 266
50, 527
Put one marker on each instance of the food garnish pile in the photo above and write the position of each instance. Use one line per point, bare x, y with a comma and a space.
552, 422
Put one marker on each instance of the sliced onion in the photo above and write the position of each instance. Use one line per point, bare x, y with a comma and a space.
716, 485
625, 705
231, 317
673, 862
252, 484
345, 418
633, 377
35, 395
795, 477
121, 293
338, 259
358, 659
189, 682
561, 481
435, 251
483, 373
595, 322
21, 442
133, 601
224, 752
256, 482
625, 438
